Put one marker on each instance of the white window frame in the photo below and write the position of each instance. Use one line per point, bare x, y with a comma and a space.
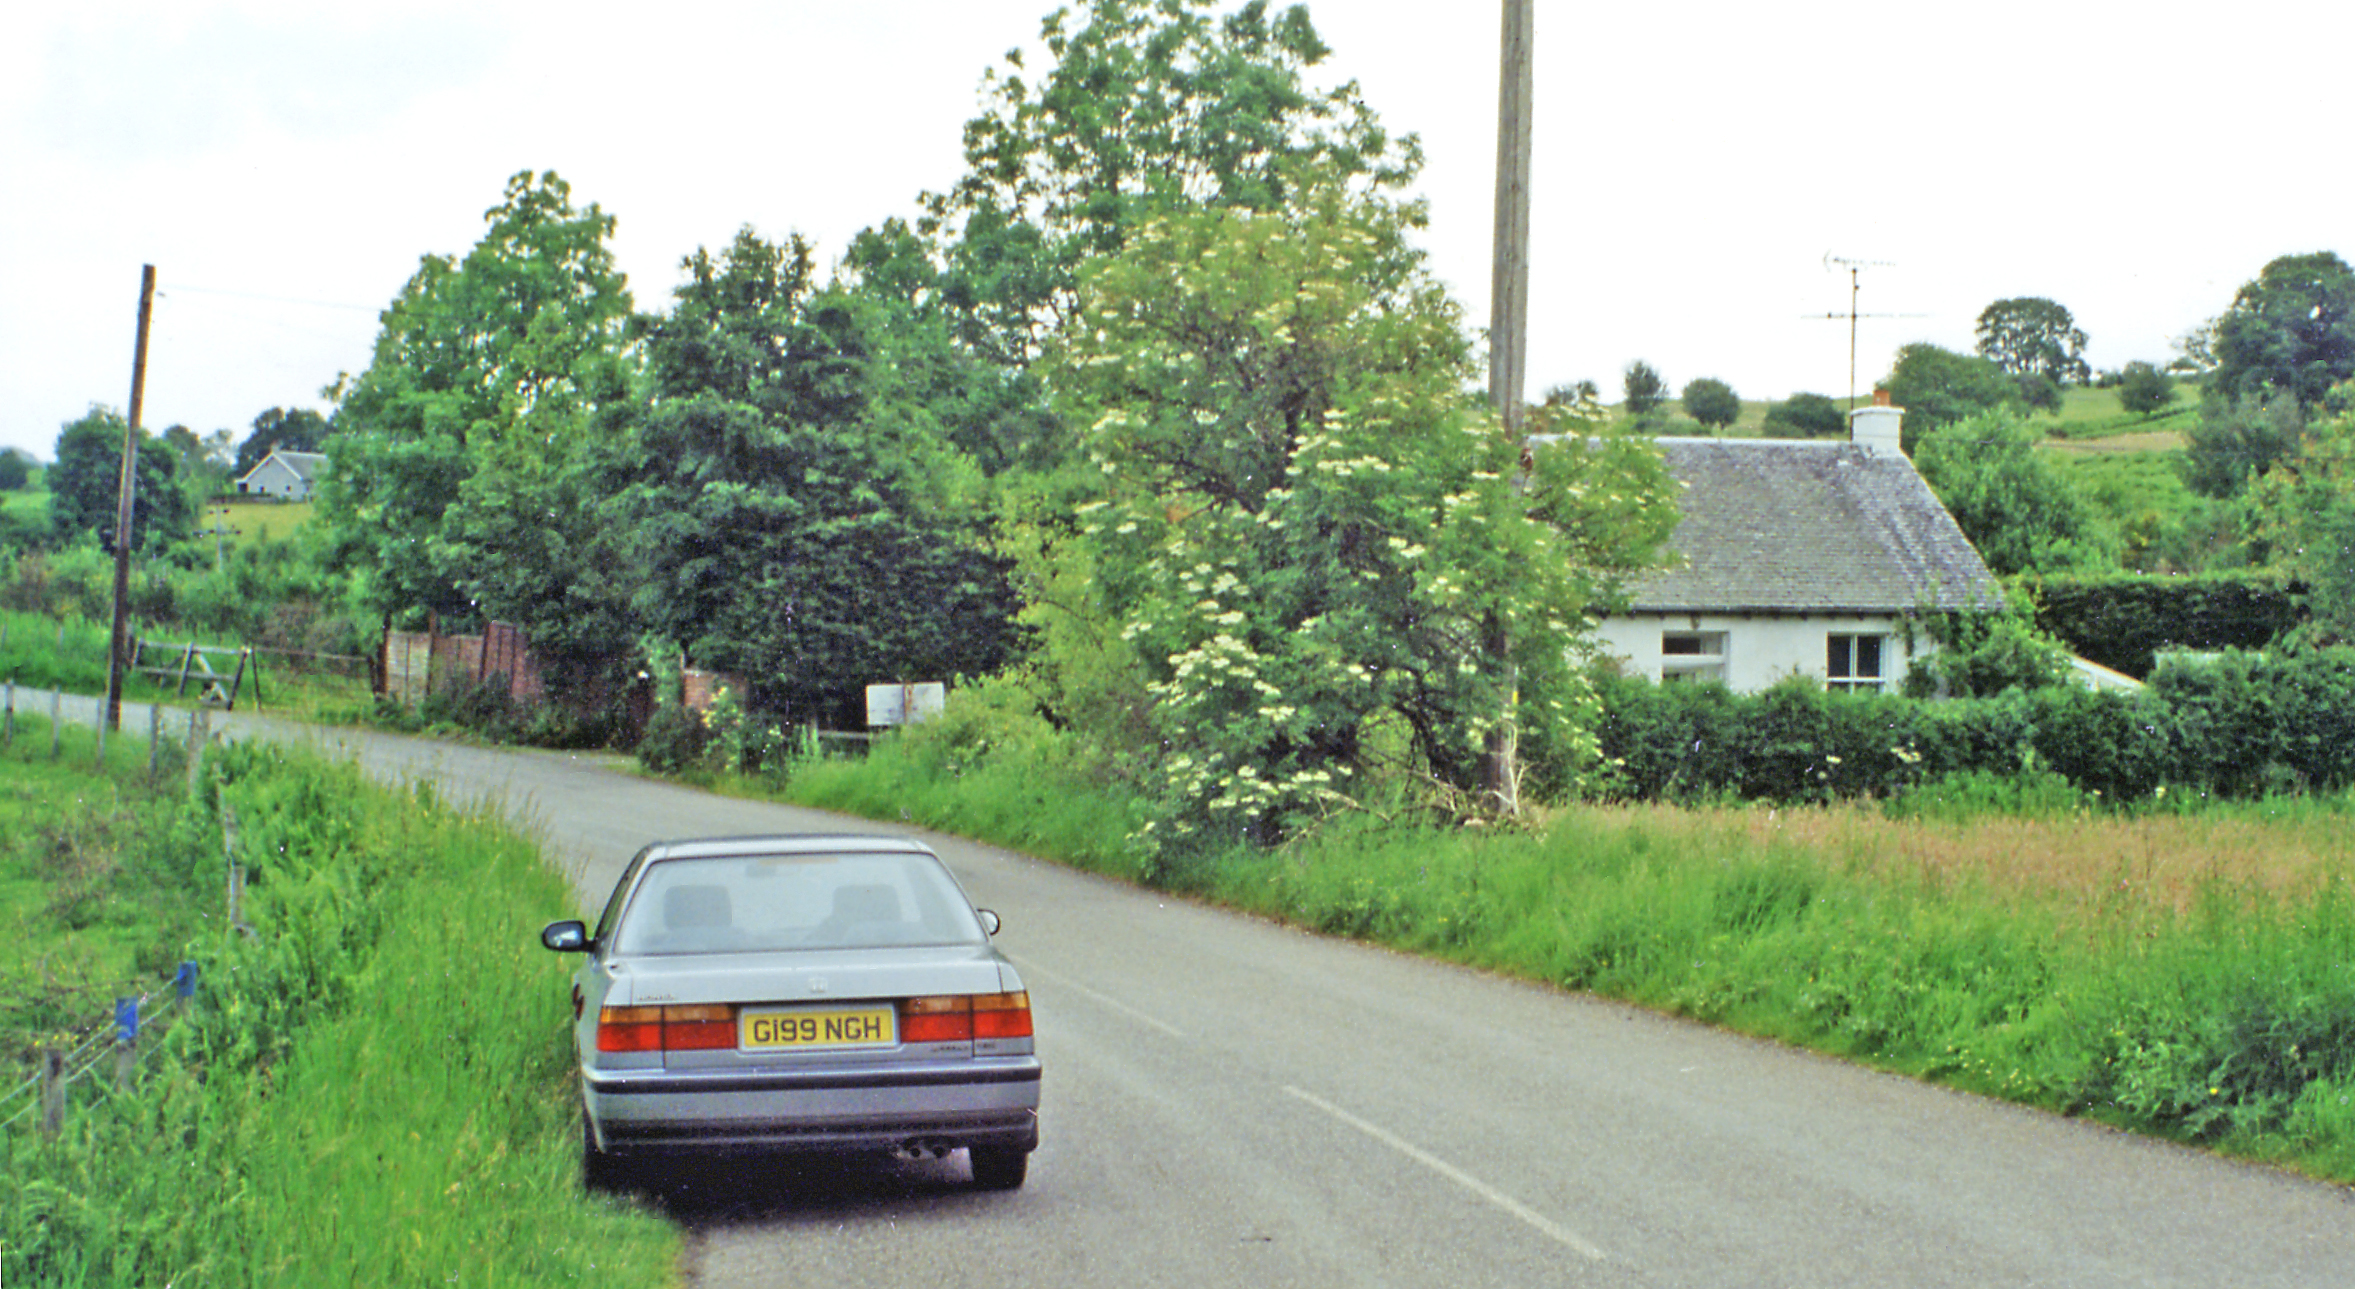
1687, 656
1845, 662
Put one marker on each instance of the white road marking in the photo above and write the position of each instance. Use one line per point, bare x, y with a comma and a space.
1546, 1226
1065, 982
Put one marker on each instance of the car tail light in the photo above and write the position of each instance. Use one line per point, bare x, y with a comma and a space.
702, 1027
1001, 1016
698, 1029
960, 1018
629, 1029
946, 1019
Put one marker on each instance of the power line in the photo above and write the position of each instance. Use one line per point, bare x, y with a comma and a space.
270, 299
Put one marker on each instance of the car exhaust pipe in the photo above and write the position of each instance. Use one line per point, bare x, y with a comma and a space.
921, 1151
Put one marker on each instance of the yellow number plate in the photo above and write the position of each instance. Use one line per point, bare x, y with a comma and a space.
860, 1027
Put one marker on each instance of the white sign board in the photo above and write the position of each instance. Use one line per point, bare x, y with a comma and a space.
905, 704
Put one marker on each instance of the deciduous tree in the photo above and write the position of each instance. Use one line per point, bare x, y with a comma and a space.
2306, 518
2144, 390
2033, 336
1149, 106
1303, 533
780, 512
2020, 513
85, 486
2291, 331
1712, 402
1813, 416
1642, 387
1939, 387
490, 362
2239, 439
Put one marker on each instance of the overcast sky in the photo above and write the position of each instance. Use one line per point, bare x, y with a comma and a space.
283, 165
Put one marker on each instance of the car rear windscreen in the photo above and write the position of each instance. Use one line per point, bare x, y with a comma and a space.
747, 904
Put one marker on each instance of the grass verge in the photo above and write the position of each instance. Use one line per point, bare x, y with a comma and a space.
374, 1087
2191, 977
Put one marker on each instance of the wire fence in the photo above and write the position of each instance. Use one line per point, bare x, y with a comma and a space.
118, 1043
45, 1091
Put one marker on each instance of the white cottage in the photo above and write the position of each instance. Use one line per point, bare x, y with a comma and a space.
285, 475
1799, 557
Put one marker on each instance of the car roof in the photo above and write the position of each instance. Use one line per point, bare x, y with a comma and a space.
785, 844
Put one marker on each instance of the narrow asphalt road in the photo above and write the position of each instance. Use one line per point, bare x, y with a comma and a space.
1230, 1102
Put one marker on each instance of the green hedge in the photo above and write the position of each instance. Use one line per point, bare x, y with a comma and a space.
2124, 622
2238, 725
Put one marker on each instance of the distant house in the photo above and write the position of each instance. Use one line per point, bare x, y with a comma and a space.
1799, 557
285, 475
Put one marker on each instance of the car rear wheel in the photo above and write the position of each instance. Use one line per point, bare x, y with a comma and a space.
1000, 1168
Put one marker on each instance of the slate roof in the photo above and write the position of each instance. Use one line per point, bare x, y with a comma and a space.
1784, 526
305, 465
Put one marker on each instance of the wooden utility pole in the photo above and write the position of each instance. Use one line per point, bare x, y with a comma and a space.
127, 490
1508, 301
1508, 351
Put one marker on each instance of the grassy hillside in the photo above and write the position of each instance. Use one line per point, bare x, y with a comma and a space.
253, 522
2090, 416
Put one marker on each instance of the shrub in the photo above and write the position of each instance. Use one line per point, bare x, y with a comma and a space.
674, 740
1712, 402
2144, 390
1984, 654
1812, 416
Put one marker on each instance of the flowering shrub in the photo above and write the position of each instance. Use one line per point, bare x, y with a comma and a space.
1326, 568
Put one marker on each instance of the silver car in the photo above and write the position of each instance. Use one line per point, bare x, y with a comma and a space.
799, 993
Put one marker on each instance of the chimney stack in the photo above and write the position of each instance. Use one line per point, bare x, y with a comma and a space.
1877, 428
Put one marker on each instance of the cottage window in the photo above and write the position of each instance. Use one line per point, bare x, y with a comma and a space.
1854, 662
1692, 655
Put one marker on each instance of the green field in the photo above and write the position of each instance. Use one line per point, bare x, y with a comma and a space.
2086, 414
251, 523
2095, 414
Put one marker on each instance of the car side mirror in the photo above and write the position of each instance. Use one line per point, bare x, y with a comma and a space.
989, 920
565, 937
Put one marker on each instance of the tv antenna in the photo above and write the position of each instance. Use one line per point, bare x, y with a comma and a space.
1855, 291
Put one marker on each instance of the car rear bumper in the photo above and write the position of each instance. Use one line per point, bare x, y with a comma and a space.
986, 1103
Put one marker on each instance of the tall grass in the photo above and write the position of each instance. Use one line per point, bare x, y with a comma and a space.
54, 653
376, 1087
2190, 974
42, 652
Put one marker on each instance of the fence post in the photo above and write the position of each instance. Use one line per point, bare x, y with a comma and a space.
56, 717
155, 738
52, 1091
236, 870
8, 715
101, 733
184, 981
126, 1040
200, 723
